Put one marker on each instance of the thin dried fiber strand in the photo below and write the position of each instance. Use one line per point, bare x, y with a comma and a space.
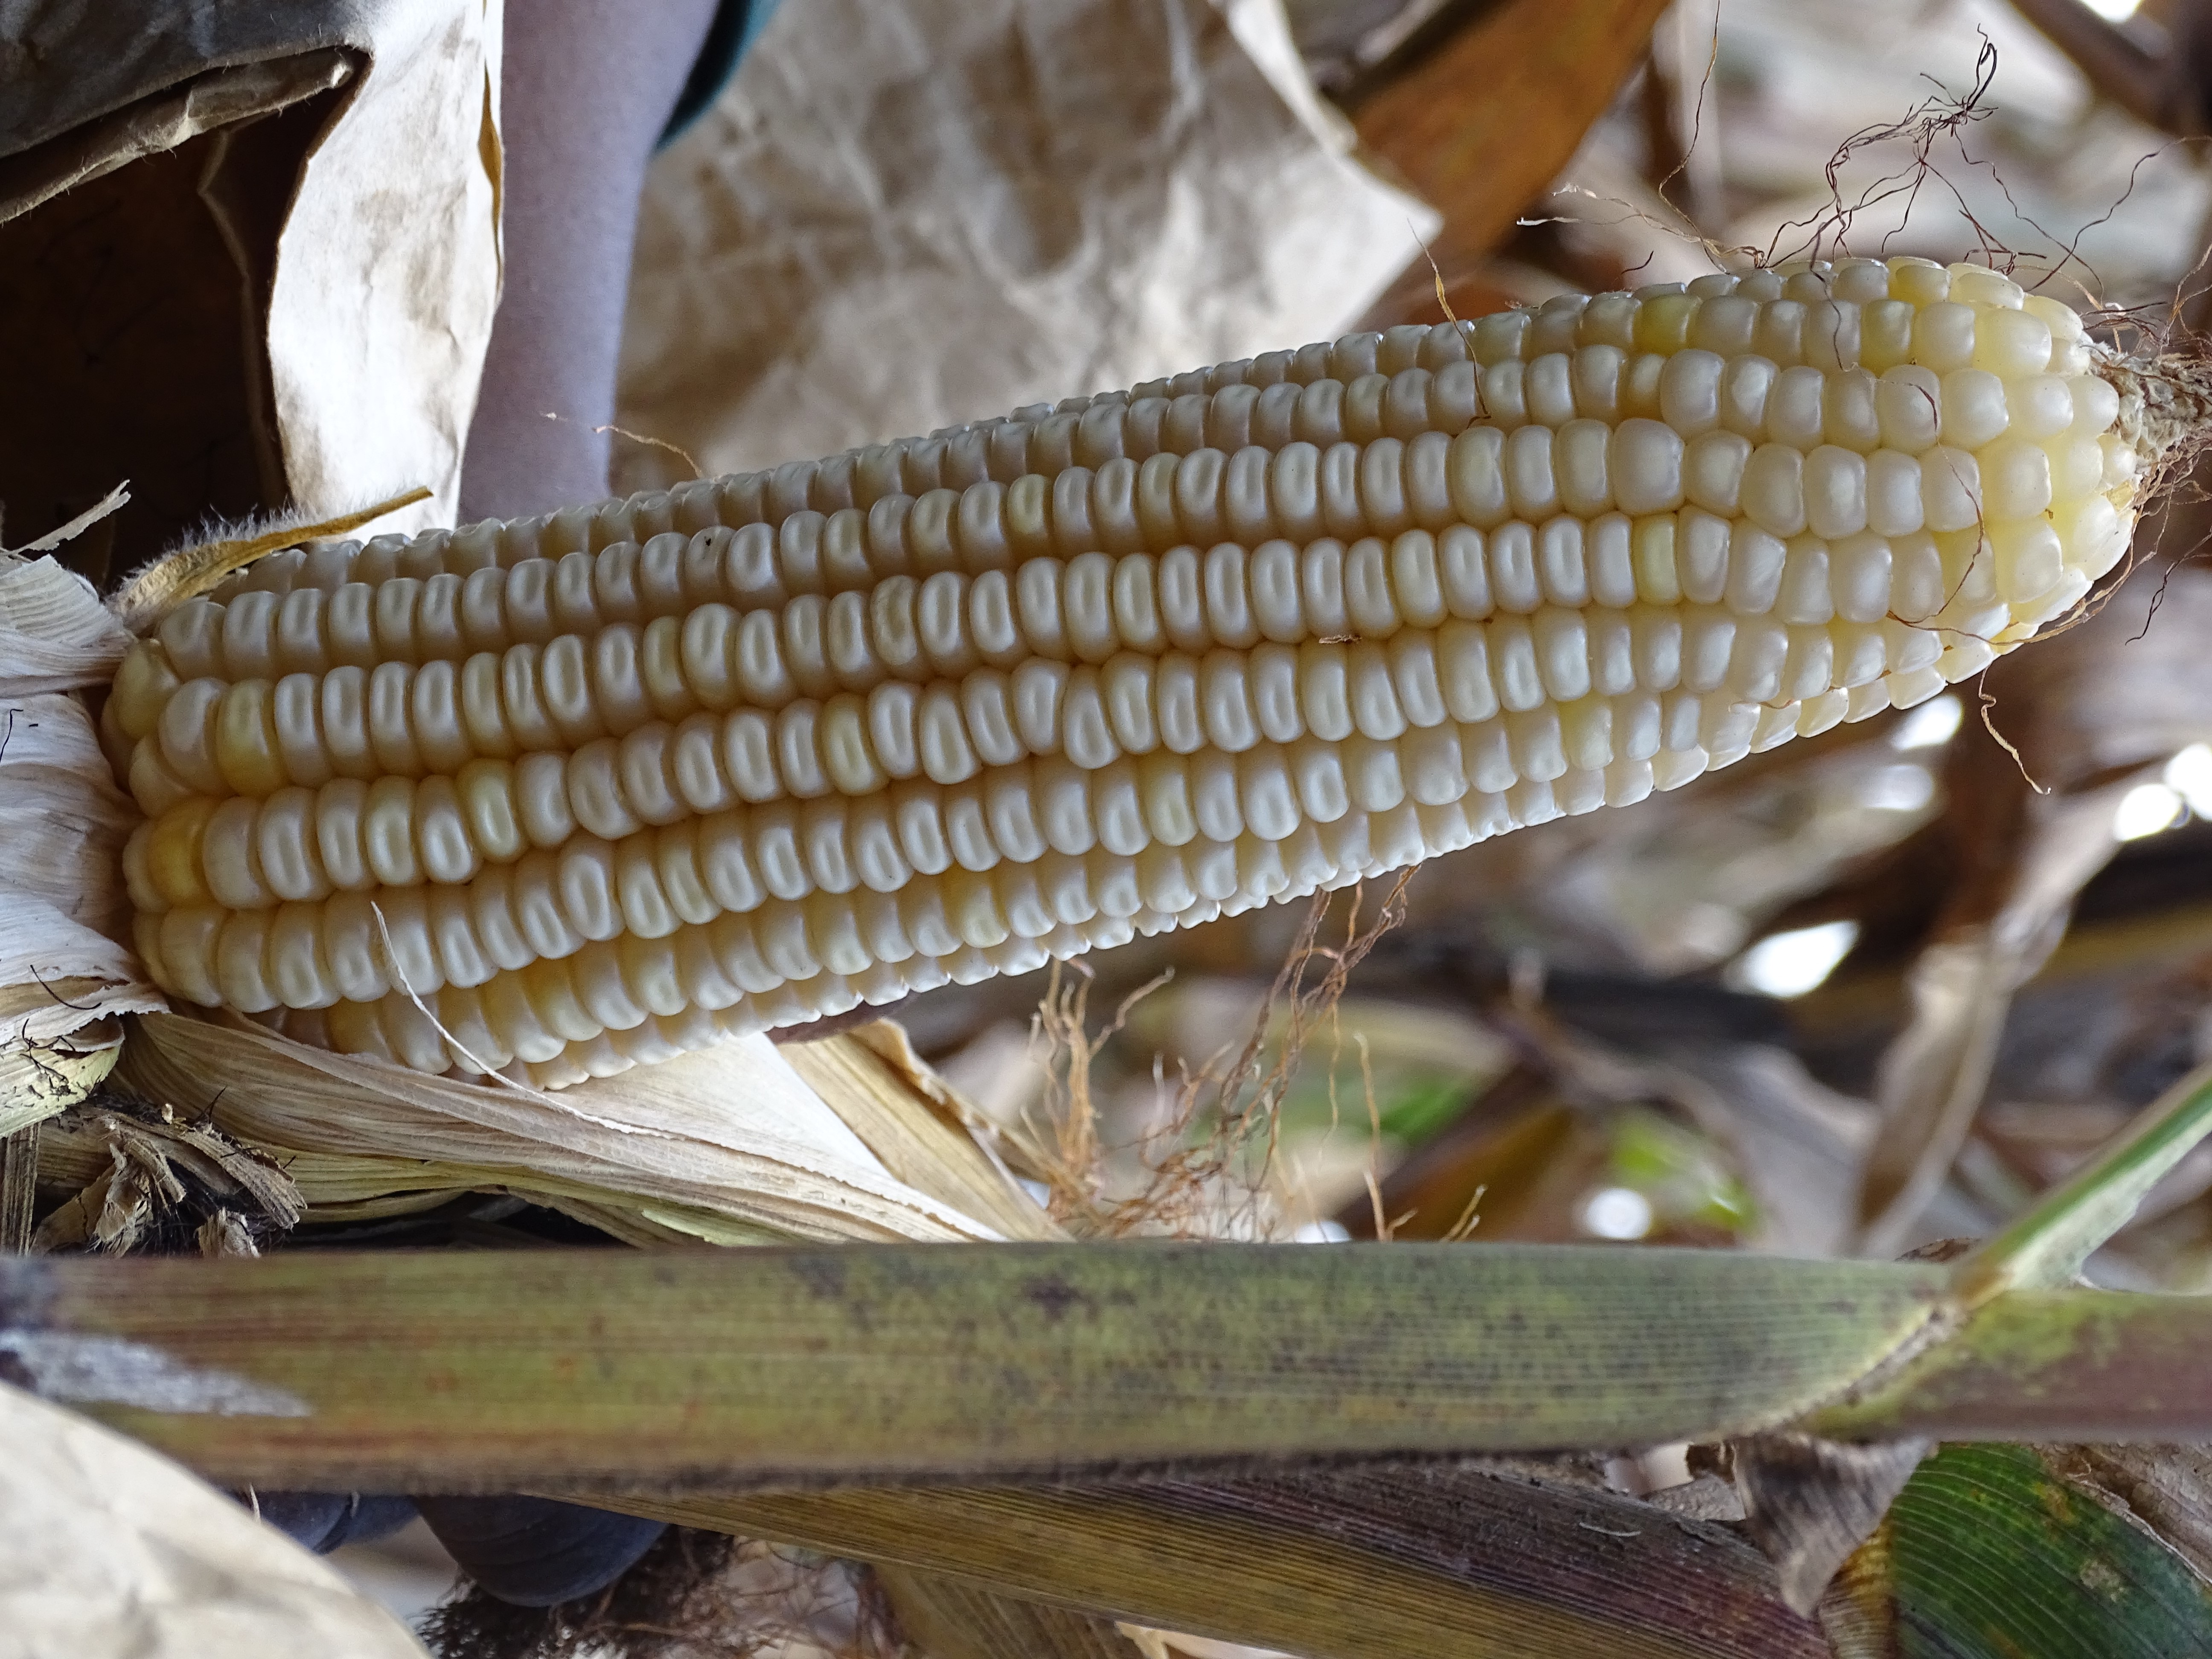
151, 595
114, 500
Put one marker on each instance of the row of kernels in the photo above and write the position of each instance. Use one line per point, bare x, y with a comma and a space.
741, 979
301, 845
1587, 467
256, 737
1299, 491
253, 738
613, 1005
617, 985
591, 894
394, 832
1596, 382
780, 964
1834, 492
1324, 412
1302, 490
1907, 408
1348, 358
405, 619
1834, 320
1663, 318
1229, 699
260, 635
1823, 335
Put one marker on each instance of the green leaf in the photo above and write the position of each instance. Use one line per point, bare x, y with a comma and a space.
1988, 1553
1423, 1106
2052, 1365
458, 1371
398, 1372
2047, 1245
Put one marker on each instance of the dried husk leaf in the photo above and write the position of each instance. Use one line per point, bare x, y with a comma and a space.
2168, 1489
1810, 1503
728, 1145
65, 973
147, 1161
107, 1549
909, 1118
55, 635
951, 1619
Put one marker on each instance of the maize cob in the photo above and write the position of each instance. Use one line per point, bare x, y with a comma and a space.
556, 796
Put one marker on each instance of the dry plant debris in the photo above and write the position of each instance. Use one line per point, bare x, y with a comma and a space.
1869, 990
696, 1595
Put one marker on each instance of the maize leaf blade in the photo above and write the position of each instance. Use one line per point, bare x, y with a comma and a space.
1990, 1552
1386, 1563
952, 1618
2046, 1364
393, 1372
2047, 1245
599, 1371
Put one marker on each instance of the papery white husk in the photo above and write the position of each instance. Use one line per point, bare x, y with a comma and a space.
67, 973
108, 1549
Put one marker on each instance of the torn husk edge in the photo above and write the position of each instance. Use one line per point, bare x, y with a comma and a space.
67, 973
728, 1145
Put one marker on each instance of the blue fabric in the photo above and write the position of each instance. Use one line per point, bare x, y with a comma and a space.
737, 25
323, 1521
537, 1552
